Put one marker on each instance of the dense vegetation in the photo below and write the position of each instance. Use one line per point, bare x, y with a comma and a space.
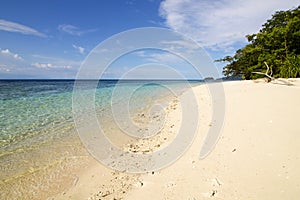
277, 45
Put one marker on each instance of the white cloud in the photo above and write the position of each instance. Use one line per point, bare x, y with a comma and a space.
175, 44
73, 30
38, 66
162, 57
42, 65
56, 60
4, 68
70, 29
151, 72
148, 71
79, 48
219, 24
7, 52
19, 28
50, 66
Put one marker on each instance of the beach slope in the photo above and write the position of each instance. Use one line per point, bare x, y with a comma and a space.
257, 156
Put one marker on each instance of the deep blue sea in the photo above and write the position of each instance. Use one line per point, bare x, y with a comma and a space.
39, 145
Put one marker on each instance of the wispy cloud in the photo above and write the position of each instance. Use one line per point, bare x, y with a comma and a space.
10, 62
36, 66
221, 23
19, 28
56, 61
7, 52
73, 30
79, 48
50, 66
42, 65
4, 68
159, 57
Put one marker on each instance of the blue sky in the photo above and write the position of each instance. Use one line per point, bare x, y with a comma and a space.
50, 39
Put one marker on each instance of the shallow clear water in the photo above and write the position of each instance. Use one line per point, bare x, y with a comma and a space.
39, 145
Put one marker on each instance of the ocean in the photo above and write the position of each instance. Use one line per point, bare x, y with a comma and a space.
39, 144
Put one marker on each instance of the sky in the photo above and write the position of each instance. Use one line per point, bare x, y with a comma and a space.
42, 39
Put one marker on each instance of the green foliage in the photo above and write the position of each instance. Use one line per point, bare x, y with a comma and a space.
277, 44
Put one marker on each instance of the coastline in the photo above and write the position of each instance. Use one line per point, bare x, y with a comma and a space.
256, 157
97, 181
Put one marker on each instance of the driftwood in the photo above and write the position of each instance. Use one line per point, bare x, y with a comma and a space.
267, 73
272, 79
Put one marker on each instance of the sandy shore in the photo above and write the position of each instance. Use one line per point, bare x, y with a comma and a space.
257, 156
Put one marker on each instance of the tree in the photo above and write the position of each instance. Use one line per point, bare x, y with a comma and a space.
277, 44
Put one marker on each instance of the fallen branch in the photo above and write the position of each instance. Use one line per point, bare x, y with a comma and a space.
266, 74
270, 78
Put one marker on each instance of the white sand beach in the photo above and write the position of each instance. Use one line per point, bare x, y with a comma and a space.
256, 157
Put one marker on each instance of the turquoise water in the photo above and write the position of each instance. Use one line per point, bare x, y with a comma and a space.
39, 145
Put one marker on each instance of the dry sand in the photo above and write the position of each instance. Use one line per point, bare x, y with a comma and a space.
257, 156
